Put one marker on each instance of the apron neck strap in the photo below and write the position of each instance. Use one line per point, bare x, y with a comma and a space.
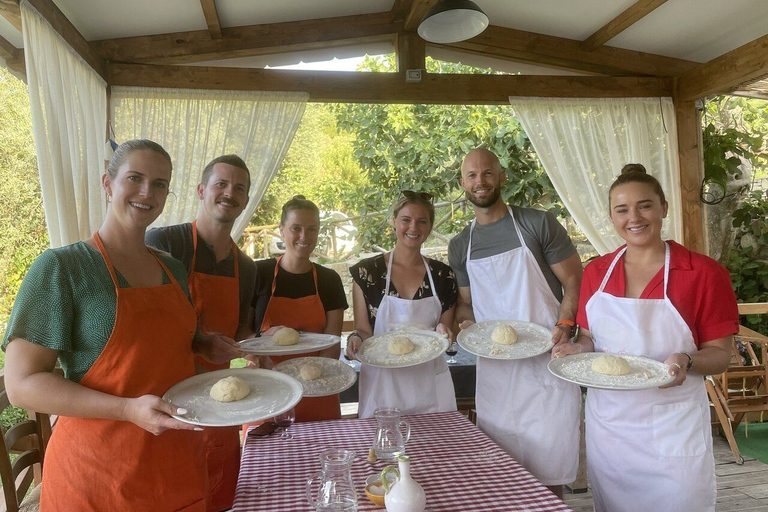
389, 274
514, 223
621, 253
111, 267
277, 267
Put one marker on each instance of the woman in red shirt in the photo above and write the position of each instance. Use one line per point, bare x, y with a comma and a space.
652, 449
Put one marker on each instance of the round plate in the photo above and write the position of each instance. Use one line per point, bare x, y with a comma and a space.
645, 373
308, 342
532, 340
429, 345
336, 376
272, 393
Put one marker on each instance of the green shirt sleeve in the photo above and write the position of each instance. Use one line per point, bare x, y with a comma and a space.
44, 307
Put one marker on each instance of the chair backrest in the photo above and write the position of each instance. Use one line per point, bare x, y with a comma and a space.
26, 441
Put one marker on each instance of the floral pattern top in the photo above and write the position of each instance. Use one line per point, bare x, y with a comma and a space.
370, 275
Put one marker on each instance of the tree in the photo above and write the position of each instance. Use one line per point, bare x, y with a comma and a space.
319, 165
23, 233
420, 147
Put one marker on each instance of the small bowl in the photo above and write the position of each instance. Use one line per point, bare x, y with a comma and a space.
376, 499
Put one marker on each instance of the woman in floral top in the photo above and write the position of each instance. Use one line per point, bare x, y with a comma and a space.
404, 288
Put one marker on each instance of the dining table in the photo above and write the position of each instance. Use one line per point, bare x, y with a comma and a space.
460, 468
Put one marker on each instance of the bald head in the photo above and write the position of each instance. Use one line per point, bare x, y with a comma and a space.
480, 159
482, 178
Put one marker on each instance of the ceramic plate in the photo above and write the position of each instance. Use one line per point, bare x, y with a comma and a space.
272, 393
336, 376
308, 342
429, 345
532, 340
645, 373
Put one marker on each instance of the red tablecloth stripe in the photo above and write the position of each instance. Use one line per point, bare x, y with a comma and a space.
460, 468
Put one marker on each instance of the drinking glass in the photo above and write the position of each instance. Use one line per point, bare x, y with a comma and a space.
284, 421
452, 350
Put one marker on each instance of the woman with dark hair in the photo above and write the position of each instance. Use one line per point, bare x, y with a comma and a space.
114, 313
399, 288
292, 291
652, 449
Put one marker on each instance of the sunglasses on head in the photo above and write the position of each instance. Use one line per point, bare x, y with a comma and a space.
410, 194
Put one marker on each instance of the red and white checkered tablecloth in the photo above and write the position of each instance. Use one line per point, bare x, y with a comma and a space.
458, 466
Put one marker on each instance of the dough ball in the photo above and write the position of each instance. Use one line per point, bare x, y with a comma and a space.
504, 335
310, 371
286, 336
400, 345
230, 389
611, 365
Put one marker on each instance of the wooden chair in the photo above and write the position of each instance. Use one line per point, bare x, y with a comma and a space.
741, 389
27, 442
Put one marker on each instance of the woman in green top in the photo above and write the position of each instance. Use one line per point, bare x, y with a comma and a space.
118, 318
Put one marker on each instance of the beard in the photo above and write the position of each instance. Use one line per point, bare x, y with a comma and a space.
484, 203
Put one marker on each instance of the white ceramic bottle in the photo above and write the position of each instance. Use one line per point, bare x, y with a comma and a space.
405, 494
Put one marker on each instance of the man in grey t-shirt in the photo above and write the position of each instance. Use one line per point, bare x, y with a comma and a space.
518, 264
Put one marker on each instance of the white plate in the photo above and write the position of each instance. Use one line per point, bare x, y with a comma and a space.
272, 393
429, 345
645, 373
336, 376
308, 342
532, 340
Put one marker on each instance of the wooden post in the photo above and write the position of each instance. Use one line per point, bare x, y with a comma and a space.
410, 51
689, 144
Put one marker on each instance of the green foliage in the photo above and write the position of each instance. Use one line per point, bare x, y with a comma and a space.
23, 233
735, 124
319, 165
420, 147
748, 273
722, 149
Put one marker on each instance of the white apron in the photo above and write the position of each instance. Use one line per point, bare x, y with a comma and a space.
525, 409
416, 389
649, 449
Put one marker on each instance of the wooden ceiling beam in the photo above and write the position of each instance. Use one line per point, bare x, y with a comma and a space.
211, 18
10, 10
197, 46
13, 56
416, 13
622, 22
400, 9
388, 87
725, 73
65, 28
570, 54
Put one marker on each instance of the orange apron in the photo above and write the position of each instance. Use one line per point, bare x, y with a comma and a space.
98, 464
217, 303
303, 314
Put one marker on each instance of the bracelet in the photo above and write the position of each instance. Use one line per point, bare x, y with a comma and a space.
354, 333
690, 361
569, 323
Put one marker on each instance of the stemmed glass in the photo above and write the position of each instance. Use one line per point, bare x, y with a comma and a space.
452, 350
284, 421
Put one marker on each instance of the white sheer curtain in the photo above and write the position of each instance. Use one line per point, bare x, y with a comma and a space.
69, 118
584, 143
196, 126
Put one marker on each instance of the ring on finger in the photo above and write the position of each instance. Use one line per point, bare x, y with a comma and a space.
678, 366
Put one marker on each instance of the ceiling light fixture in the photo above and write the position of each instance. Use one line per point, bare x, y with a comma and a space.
451, 21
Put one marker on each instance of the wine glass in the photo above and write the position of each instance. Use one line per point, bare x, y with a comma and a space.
284, 421
452, 350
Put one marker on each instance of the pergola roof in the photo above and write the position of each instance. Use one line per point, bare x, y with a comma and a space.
626, 39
